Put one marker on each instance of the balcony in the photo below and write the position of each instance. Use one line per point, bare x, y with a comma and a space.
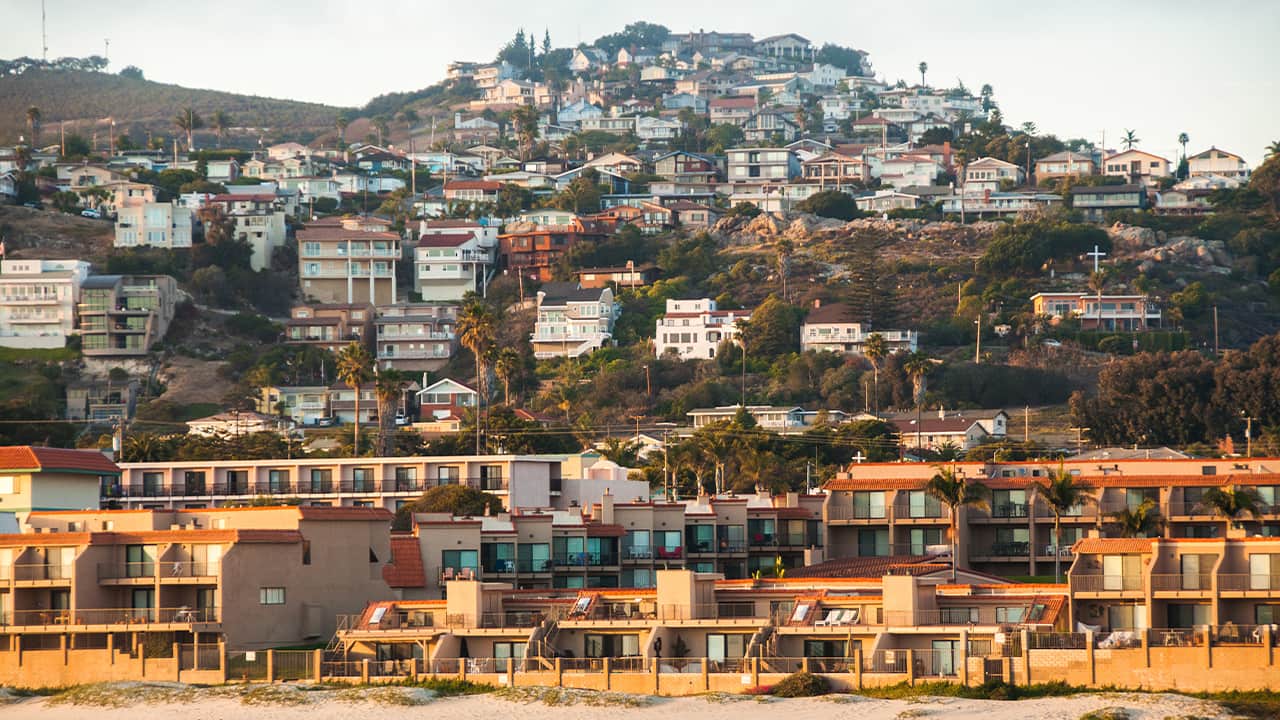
1012, 549
533, 566
637, 552
54, 573
1106, 583
59, 620
1009, 510
1248, 583
1181, 584
163, 570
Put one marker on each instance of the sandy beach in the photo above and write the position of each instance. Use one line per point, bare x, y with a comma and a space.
398, 703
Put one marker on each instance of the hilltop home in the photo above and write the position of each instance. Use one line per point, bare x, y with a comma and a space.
302, 404
258, 220
1136, 167
1095, 202
124, 315
988, 173
694, 329
1132, 313
446, 398
448, 265
329, 326
1218, 162
162, 225
832, 327
349, 260
415, 336
38, 300
1064, 164
573, 321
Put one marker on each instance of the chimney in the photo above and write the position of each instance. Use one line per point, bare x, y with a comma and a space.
817, 303
942, 413
606, 507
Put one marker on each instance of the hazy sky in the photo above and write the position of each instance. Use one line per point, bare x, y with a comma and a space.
1074, 68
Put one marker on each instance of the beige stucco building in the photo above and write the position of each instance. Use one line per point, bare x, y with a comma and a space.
349, 261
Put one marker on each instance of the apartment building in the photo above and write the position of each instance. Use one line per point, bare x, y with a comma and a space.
252, 577
523, 481
40, 478
613, 542
258, 220
124, 315
349, 261
329, 326
880, 509
163, 225
694, 329
1129, 313
534, 245
762, 165
1177, 586
573, 321
415, 336
833, 327
38, 301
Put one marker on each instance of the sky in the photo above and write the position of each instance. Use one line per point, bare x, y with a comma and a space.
1076, 69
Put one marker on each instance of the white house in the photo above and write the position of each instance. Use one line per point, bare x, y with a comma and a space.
769, 417
651, 128
232, 424
577, 112
833, 328
1217, 162
38, 300
693, 329
987, 173
165, 225
1136, 166
445, 398
573, 321
447, 265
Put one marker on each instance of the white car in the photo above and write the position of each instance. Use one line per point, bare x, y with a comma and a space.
91, 213
1051, 343
402, 419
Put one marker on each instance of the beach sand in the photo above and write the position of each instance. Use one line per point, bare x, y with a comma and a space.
205, 704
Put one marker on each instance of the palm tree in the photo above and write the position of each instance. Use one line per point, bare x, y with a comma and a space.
956, 492
219, 123
33, 125
387, 386
1130, 139
784, 248
525, 119
507, 366
876, 349
381, 127
1232, 501
923, 67
1183, 139
354, 366
188, 121
1273, 148
341, 122
917, 366
1061, 491
476, 329
1138, 522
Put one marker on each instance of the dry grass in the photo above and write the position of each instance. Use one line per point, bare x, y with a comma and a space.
561, 697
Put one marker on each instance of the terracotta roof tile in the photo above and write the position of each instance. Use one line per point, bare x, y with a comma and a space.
1112, 545
345, 513
26, 457
870, 567
405, 568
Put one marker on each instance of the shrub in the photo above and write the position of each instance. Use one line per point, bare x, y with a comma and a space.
801, 684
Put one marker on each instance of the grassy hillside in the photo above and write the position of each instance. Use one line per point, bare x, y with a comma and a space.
85, 98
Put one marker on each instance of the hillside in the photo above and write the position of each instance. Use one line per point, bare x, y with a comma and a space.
85, 98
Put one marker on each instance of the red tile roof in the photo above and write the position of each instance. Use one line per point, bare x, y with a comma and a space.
1112, 545
26, 457
870, 567
444, 239
489, 185
405, 568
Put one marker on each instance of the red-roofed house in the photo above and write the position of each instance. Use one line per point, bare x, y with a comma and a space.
41, 478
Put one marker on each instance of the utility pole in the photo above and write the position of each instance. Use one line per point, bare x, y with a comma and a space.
977, 350
1026, 423
1248, 436
106, 52
1215, 332
44, 38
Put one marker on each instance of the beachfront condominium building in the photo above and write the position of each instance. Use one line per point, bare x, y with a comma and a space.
124, 315
253, 577
882, 509
614, 540
352, 260
521, 481
154, 224
40, 478
1099, 312
38, 301
694, 329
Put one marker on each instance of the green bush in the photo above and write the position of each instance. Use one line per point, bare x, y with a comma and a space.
801, 684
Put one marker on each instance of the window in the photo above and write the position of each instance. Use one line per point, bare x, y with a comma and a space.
362, 480
271, 596
1266, 614
873, 543
321, 480
534, 557
1264, 572
277, 481
599, 646
458, 560
701, 538
958, 615
140, 561
921, 504
1010, 614
1188, 615
306, 552
151, 483
1009, 503
721, 647
922, 538
1127, 617
8, 485
1121, 572
868, 505
498, 557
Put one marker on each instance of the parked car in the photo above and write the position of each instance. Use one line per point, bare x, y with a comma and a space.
324, 422
91, 213
402, 419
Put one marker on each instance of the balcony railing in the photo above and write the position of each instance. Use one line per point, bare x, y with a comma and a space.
585, 559
319, 487
1240, 582
112, 616
41, 571
1202, 582
1009, 510
1106, 583
157, 569
1007, 549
